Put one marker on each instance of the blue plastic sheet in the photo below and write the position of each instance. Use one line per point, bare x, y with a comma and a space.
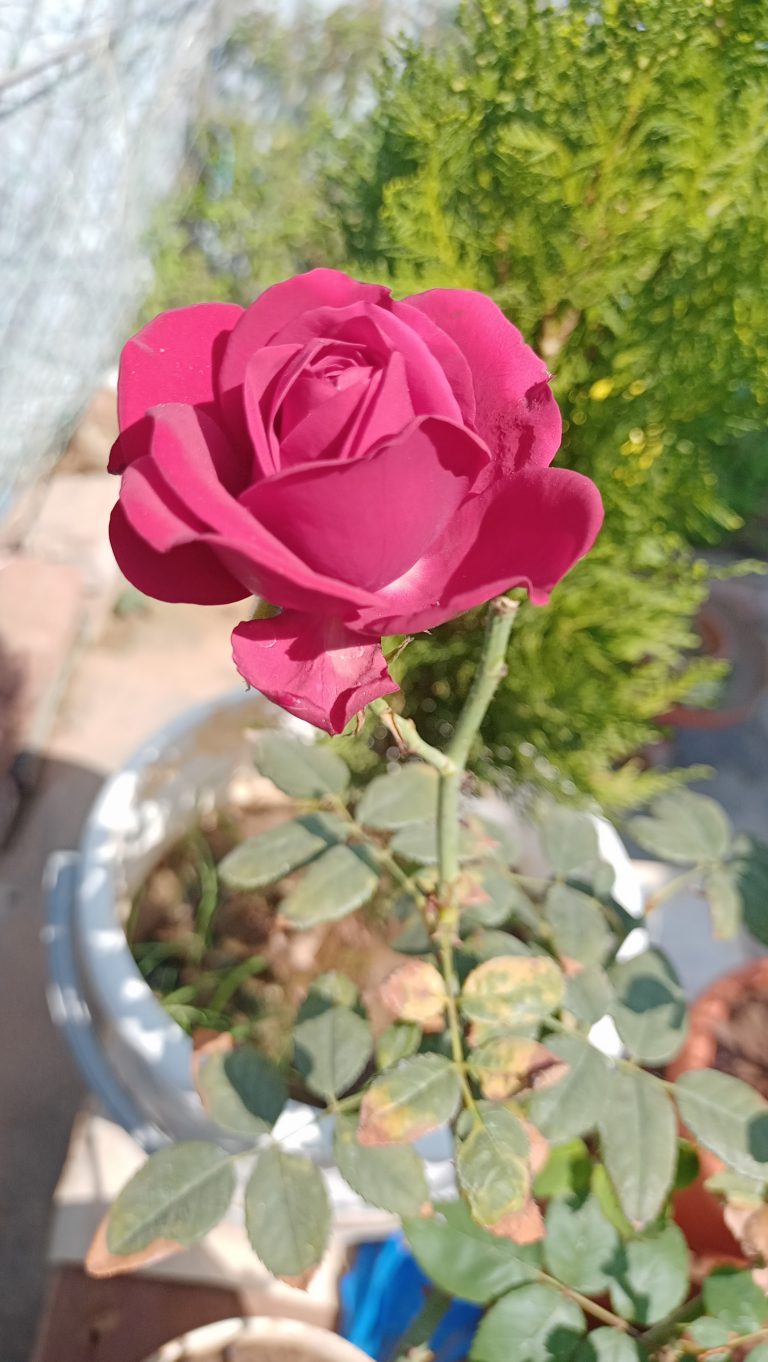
381, 1296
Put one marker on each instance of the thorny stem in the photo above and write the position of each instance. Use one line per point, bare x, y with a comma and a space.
491, 670
407, 736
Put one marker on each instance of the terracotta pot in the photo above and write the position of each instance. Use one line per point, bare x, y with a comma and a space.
730, 629
260, 1340
697, 1212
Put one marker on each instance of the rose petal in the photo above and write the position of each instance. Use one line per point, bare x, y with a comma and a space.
313, 667
173, 496
191, 572
386, 411
448, 354
266, 375
326, 426
260, 323
366, 521
379, 332
174, 358
516, 414
527, 531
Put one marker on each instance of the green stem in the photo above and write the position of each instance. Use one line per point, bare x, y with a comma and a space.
663, 1331
672, 887
491, 669
590, 1307
454, 1023
407, 735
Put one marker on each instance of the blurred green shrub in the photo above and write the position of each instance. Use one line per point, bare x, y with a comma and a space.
600, 167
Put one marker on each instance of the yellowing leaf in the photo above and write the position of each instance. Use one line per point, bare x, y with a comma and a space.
419, 1095
415, 992
513, 991
501, 1064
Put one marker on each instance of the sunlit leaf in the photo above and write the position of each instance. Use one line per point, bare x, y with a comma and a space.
335, 885
609, 1345
581, 1244
684, 827
545, 1327
501, 1063
392, 1179
721, 890
638, 1136
179, 1194
264, 859
728, 1117
649, 1010
651, 1276
331, 1050
415, 992
287, 1212
569, 841
571, 1106
511, 991
492, 1164
242, 1090
406, 1102
302, 770
406, 795
464, 1260
398, 1041
579, 929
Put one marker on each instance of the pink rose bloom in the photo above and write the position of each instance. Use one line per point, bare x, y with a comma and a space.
372, 467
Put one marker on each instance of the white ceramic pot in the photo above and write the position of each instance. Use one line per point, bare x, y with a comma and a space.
260, 1340
133, 1055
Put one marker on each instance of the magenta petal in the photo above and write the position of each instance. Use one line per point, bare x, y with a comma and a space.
378, 332
266, 375
448, 354
385, 412
366, 521
324, 429
516, 414
315, 668
190, 572
528, 531
174, 358
272, 310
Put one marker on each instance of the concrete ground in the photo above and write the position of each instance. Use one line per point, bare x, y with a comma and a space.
97, 684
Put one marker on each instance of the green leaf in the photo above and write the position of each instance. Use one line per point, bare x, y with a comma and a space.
735, 1300
569, 841
465, 1260
726, 1116
331, 1050
392, 1179
418, 843
505, 900
513, 991
406, 1102
332, 987
580, 1245
721, 890
487, 945
300, 769
406, 795
334, 886
492, 1165
752, 869
609, 1345
589, 995
708, 1333
579, 929
684, 827
567, 1170
287, 1212
179, 1194
604, 1193
264, 859
399, 1041
571, 1106
638, 1136
242, 1091
688, 1166
533, 1324
649, 1011
651, 1276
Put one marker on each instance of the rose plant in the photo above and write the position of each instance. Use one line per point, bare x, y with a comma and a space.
373, 467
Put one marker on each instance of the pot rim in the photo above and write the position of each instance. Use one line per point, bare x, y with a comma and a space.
321, 1344
709, 1009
